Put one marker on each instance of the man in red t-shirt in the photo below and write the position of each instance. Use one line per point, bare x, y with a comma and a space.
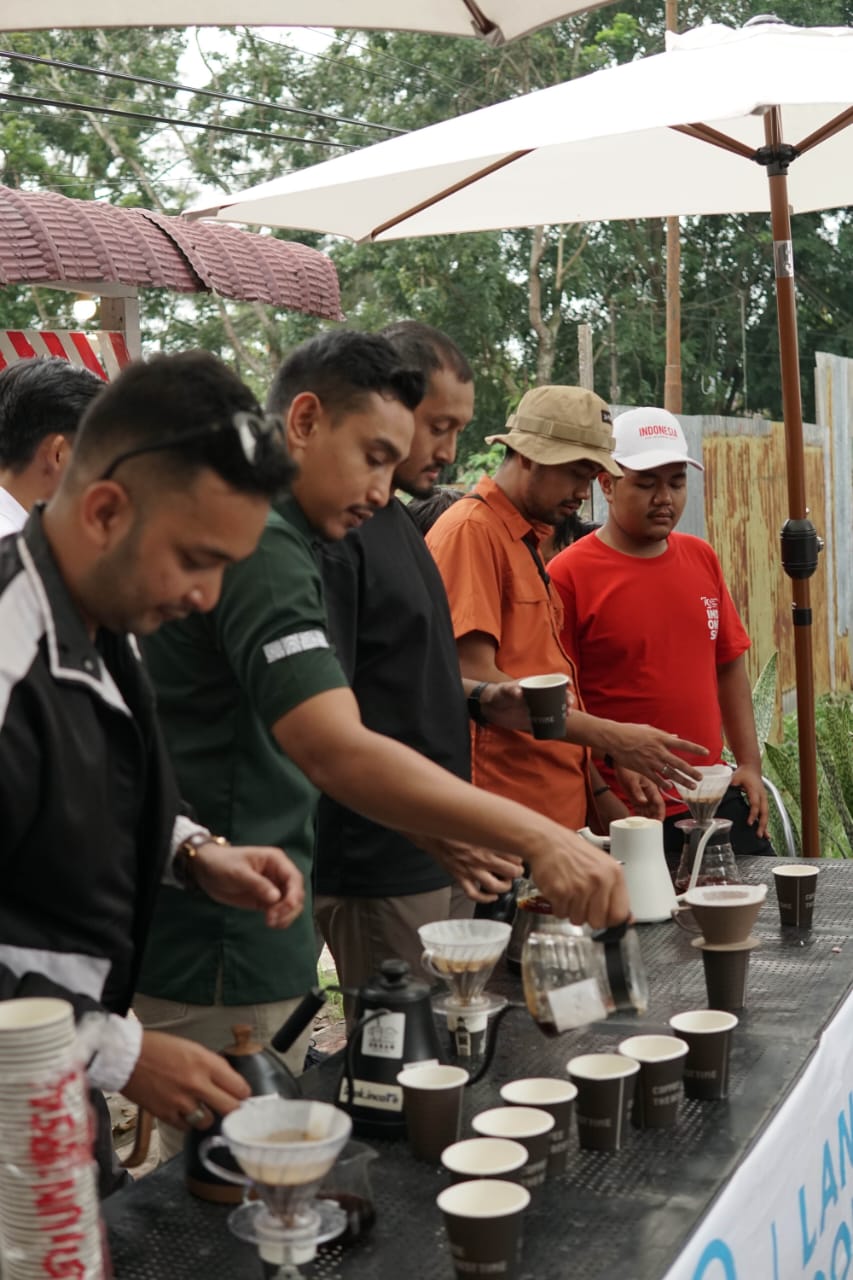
651, 625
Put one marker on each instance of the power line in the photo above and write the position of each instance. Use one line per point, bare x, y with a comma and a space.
184, 88
351, 65
450, 81
94, 109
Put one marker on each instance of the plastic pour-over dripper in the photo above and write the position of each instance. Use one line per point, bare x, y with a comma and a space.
285, 1148
705, 798
703, 801
463, 953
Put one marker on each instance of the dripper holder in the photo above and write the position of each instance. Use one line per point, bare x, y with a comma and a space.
463, 955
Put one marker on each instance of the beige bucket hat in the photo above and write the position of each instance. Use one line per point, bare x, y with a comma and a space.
553, 425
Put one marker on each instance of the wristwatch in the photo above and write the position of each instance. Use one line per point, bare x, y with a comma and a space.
475, 710
187, 852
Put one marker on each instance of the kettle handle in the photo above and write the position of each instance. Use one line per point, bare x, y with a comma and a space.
307, 1009
219, 1170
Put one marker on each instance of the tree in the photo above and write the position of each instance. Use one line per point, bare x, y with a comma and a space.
511, 299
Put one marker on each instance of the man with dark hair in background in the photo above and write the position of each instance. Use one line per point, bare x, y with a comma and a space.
41, 403
170, 481
391, 625
259, 717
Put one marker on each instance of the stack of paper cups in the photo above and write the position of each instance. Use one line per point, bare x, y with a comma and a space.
49, 1224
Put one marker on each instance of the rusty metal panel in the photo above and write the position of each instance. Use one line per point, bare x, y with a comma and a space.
745, 508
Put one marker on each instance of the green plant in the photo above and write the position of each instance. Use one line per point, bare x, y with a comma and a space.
780, 762
488, 460
328, 980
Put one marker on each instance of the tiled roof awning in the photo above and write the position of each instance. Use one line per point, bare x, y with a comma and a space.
47, 239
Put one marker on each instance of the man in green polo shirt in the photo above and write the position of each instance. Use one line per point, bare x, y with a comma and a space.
254, 705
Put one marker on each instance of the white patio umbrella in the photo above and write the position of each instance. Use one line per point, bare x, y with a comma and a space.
495, 21
710, 126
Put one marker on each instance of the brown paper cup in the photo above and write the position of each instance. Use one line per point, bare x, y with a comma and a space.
605, 1084
531, 1126
483, 1219
557, 1097
708, 1035
547, 704
432, 1104
658, 1090
726, 972
796, 887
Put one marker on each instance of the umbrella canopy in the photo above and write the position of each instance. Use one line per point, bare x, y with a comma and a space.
603, 146
495, 21
712, 125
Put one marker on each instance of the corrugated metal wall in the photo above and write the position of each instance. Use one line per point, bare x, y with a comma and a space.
741, 511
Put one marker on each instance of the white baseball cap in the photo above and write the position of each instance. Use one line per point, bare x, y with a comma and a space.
649, 437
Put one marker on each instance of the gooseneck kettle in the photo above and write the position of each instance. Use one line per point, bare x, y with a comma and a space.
393, 1027
265, 1073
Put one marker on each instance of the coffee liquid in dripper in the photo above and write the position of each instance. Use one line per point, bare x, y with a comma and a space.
703, 807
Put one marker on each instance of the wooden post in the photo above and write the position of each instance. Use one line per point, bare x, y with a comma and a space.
121, 315
585, 370
792, 412
672, 393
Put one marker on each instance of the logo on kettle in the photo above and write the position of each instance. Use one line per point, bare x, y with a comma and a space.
385, 1036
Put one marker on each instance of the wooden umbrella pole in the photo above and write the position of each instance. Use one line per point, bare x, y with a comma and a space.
673, 391
792, 410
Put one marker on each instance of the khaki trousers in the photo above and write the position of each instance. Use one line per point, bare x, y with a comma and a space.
210, 1025
362, 932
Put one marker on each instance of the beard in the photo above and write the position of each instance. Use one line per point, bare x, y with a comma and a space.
110, 589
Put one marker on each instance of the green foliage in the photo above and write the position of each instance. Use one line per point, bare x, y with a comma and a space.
780, 763
476, 287
484, 461
334, 1007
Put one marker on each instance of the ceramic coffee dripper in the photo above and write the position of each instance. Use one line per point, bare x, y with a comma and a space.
638, 844
285, 1148
723, 913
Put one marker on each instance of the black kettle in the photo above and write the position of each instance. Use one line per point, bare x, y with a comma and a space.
394, 1026
265, 1073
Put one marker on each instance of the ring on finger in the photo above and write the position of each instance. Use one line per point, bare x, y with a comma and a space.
197, 1116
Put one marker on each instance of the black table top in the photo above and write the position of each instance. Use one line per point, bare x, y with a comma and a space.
620, 1216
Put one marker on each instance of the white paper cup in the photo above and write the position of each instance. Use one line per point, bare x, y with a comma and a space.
484, 1158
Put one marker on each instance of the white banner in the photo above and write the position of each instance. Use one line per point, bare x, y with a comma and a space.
787, 1212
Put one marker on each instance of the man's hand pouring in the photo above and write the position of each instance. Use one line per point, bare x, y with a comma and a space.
582, 883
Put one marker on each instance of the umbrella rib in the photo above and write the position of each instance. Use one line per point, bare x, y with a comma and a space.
704, 133
448, 191
827, 130
481, 24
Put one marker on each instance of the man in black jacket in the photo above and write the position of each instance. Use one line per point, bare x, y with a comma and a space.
170, 481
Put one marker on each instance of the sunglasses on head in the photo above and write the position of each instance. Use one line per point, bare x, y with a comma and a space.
253, 431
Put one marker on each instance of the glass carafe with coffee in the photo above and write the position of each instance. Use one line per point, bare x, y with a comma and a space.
285, 1148
572, 976
707, 857
463, 954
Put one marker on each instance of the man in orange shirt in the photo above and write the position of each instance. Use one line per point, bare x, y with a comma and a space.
507, 617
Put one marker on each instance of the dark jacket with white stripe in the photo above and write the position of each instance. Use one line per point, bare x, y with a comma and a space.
87, 796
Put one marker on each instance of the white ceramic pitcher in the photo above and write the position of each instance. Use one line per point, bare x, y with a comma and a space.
638, 844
